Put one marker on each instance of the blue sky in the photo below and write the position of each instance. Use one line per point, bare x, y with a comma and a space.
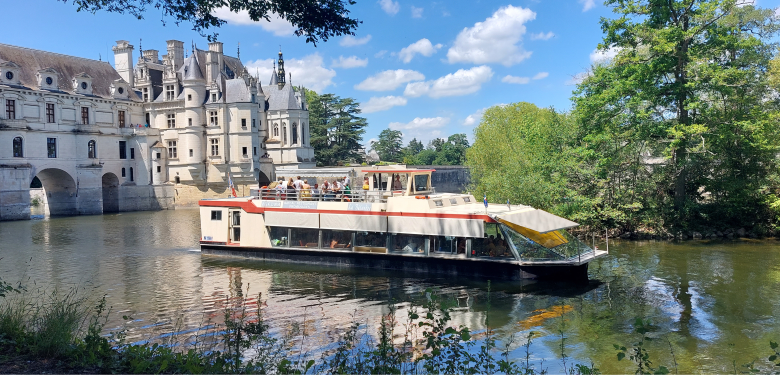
427, 68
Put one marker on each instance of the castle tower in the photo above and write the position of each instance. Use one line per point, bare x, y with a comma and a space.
123, 60
280, 72
176, 53
194, 87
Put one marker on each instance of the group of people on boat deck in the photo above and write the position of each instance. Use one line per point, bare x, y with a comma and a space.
299, 189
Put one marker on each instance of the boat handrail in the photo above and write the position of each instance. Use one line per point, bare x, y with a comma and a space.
318, 195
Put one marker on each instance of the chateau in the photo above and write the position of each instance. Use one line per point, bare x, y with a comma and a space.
147, 134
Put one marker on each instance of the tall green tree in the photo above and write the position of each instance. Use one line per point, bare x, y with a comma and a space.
678, 121
335, 128
389, 145
317, 20
523, 153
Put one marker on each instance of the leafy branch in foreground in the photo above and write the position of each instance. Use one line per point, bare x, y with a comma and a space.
317, 20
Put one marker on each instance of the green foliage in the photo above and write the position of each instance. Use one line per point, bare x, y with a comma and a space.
335, 128
678, 127
317, 20
440, 151
638, 353
388, 147
523, 154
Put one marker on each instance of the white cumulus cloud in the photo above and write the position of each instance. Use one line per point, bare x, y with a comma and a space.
378, 104
603, 56
475, 117
276, 25
309, 71
380, 54
349, 62
587, 4
351, 41
516, 80
542, 36
417, 12
462, 82
422, 128
495, 40
423, 47
389, 6
541, 75
389, 80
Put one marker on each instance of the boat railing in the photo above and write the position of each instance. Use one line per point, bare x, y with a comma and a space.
319, 195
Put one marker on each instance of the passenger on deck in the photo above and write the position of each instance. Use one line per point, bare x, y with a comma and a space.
291, 193
306, 191
316, 193
366, 186
298, 183
397, 183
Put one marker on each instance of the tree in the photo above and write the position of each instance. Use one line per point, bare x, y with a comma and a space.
335, 129
523, 153
315, 19
389, 145
678, 121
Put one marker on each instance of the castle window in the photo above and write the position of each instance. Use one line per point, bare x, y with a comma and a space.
213, 119
91, 149
124, 174
190, 152
214, 146
284, 133
123, 149
254, 151
189, 98
169, 92
132, 153
243, 151
49, 81
189, 121
146, 95
51, 147
171, 120
158, 155
85, 115
50, 113
243, 123
172, 154
9, 75
276, 130
295, 133
121, 117
131, 173
18, 147
121, 90
159, 169
213, 97
253, 123
10, 108
83, 85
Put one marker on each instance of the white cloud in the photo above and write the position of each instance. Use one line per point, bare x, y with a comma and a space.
587, 4
351, 41
378, 104
495, 40
380, 54
474, 118
389, 80
541, 75
309, 71
542, 36
516, 80
777, 12
276, 25
462, 82
578, 78
603, 56
422, 46
417, 12
424, 129
349, 62
389, 6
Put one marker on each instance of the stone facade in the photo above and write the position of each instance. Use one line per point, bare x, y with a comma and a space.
101, 139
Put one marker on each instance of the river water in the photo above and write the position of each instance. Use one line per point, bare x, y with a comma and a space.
712, 304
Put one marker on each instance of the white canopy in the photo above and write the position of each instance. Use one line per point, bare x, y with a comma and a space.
436, 226
292, 219
537, 220
315, 172
352, 222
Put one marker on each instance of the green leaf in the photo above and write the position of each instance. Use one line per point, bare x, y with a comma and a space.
661, 370
773, 345
773, 357
620, 356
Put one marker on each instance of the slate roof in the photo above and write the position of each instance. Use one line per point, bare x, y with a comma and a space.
280, 99
237, 91
31, 61
191, 69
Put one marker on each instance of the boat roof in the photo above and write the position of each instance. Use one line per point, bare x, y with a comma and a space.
397, 170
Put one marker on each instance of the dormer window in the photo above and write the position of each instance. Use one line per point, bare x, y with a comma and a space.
47, 78
82, 84
119, 89
170, 92
9, 73
49, 81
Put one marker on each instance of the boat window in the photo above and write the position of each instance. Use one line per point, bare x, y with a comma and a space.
371, 242
216, 215
447, 245
467, 199
421, 182
493, 245
535, 246
438, 203
453, 201
336, 239
278, 236
304, 237
408, 244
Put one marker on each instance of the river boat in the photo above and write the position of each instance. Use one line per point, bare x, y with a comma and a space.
397, 223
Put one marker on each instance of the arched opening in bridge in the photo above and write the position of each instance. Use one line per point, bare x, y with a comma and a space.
110, 193
60, 190
261, 178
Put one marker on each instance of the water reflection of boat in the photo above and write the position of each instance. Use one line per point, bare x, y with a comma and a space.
399, 223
